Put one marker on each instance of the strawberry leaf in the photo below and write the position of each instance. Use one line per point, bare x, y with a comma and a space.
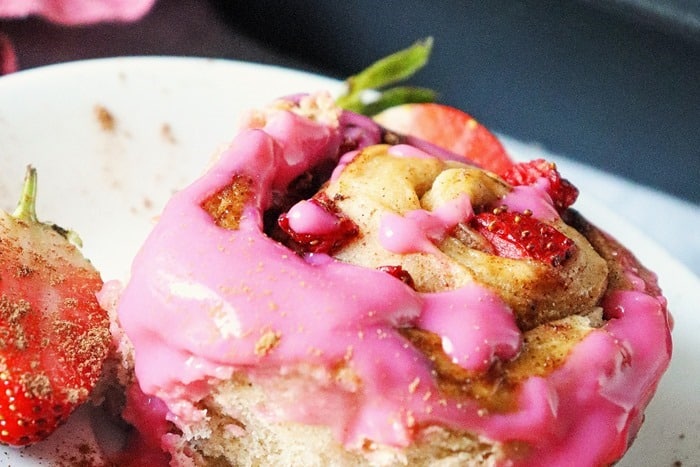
394, 68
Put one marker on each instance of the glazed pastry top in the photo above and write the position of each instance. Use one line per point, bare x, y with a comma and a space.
408, 314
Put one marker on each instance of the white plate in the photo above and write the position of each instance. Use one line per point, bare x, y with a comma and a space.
169, 115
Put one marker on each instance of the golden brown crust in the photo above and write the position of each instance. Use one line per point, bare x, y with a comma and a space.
226, 205
618, 258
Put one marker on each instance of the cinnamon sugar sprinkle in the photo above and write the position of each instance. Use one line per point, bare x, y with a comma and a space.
105, 118
267, 342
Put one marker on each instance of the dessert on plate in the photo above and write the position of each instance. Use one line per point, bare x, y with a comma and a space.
337, 290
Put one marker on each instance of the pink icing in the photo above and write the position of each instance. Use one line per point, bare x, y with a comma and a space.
344, 160
418, 229
404, 150
476, 326
307, 217
77, 11
533, 197
201, 297
8, 59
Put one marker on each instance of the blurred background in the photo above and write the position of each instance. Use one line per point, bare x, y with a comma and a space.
611, 83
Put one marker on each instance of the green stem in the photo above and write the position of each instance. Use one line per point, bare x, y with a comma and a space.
378, 76
392, 97
26, 207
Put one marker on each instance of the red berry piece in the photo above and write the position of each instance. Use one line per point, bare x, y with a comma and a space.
562, 192
329, 242
515, 235
448, 128
399, 273
54, 337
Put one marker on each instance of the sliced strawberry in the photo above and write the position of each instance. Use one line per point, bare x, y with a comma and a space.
449, 128
562, 192
515, 235
328, 242
399, 273
54, 337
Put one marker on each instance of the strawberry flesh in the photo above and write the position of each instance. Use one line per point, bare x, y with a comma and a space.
329, 242
399, 273
54, 337
562, 192
449, 128
516, 235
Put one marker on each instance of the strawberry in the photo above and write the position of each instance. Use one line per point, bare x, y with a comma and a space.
516, 235
448, 128
399, 273
329, 242
562, 192
54, 337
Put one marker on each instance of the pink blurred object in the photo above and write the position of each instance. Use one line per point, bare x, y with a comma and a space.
68, 12
77, 11
8, 60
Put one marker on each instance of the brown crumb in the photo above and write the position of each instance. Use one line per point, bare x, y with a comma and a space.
13, 311
267, 342
105, 118
166, 132
83, 349
38, 385
79, 455
12, 314
23, 271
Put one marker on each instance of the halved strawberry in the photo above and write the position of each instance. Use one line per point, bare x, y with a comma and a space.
448, 128
516, 235
54, 337
562, 192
